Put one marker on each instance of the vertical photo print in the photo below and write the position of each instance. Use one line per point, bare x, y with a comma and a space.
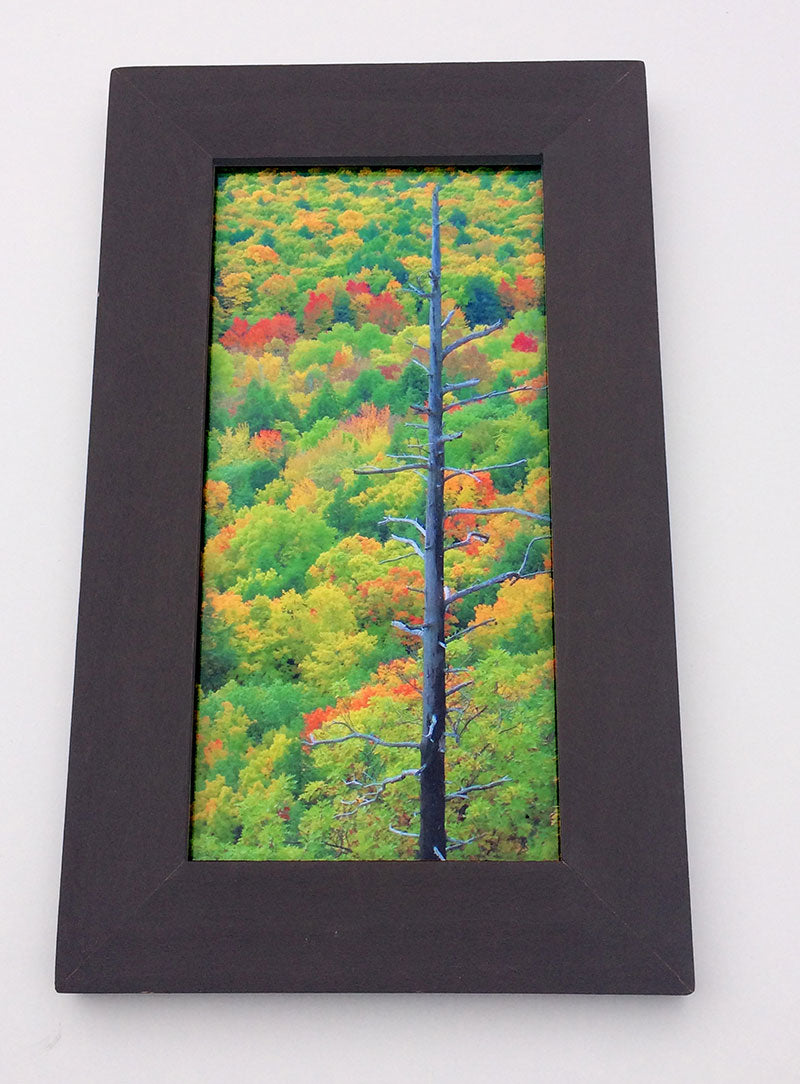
376, 658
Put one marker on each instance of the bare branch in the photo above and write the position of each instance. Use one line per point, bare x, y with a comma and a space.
476, 535
400, 832
462, 685
468, 630
444, 438
439, 854
409, 542
416, 425
500, 466
513, 575
448, 318
374, 790
464, 384
389, 470
462, 726
380, 784
414, 361
495, 512
502, 578
416, 290
393, 560
373, 739
462, 792
402, 519
488, 395
409, 455
409, 628
453, 471
457, 844
340, 847
452, 844
473, 335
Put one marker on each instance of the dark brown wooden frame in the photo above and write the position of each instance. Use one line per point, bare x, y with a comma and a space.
613, 914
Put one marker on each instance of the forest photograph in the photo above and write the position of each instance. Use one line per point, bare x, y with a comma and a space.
376, 675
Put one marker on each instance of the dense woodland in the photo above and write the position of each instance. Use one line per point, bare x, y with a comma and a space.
317, 335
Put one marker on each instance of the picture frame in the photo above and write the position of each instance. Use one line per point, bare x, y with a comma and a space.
612, 915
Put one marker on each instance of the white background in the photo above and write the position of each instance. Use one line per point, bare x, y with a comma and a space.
723, 92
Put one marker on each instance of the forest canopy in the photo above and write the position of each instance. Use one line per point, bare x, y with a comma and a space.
310, 674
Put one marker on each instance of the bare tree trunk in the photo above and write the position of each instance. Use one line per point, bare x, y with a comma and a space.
432, 836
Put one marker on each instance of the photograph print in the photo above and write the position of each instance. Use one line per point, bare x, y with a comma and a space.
376, 675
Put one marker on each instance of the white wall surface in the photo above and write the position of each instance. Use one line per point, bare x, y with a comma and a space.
723, 89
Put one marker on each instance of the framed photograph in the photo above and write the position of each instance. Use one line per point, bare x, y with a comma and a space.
375, 681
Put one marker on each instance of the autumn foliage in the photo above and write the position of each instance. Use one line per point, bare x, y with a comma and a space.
312, 378
241, 337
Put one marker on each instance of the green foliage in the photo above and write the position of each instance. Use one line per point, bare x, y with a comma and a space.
325, 404
368, 387
268, 707
272, 537
481, 303
218, 658
245, 479
221, 371
258, 411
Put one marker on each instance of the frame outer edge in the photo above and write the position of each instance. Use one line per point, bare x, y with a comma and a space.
133, 491
629, 847
110, 918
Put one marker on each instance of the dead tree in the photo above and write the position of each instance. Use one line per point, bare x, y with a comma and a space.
433, 840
